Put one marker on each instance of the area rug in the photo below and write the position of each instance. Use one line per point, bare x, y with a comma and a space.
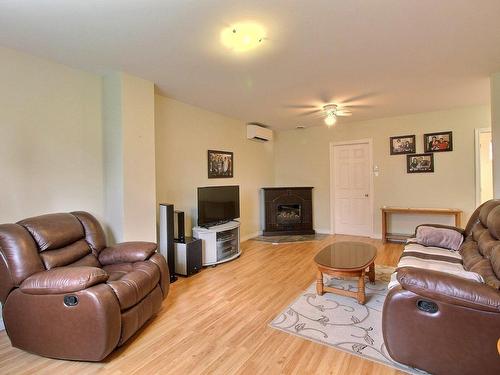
287, 239
342, 323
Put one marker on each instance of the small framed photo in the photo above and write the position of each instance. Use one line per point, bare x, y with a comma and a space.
420, 163
220, 164
438, 142
403, 144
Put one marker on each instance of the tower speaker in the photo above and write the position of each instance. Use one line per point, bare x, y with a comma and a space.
179, 235
167, 237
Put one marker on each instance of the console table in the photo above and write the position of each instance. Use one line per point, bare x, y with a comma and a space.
387, 211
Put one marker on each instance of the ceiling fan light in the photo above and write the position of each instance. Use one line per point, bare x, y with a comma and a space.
330, 119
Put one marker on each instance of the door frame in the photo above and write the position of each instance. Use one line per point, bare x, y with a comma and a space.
331, 146
477, 164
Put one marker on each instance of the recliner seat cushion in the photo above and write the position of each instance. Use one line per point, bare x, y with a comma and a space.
131, 282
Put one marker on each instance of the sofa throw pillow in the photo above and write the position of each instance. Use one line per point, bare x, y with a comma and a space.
439, 237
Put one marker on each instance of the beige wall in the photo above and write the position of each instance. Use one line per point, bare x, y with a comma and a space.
50, 126
302, 158
129, 158
51, 142
183, 135
113, 155
139, 159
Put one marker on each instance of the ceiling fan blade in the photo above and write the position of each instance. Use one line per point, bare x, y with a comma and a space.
325, 98
310, 112
358, 106
344, 113
300, 106
359, 97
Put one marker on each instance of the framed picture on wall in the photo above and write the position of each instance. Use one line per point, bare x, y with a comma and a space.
220, 164
402, 144
438, 142
420, 163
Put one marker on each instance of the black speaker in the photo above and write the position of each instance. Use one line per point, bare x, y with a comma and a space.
179, 234
167, 237
188, 257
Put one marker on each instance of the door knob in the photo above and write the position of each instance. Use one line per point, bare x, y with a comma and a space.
366, 195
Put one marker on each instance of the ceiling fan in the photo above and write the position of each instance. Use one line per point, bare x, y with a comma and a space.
330, 111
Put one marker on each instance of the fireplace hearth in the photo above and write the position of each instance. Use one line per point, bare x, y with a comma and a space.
288, 210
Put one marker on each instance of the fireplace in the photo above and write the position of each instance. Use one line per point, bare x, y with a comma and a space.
288, 210
288, 214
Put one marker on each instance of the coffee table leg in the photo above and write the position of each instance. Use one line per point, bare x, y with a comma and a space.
319, 283
361, 288
371, 273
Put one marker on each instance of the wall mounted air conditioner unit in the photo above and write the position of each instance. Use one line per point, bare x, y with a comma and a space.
258, 132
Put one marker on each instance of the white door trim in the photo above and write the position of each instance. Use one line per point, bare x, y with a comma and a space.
331, 146
477, 166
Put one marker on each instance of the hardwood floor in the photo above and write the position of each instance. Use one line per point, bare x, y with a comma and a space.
216, 322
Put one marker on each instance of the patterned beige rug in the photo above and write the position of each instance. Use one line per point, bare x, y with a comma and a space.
342, 323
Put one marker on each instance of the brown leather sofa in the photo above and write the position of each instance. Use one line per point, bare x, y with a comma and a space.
445, 324
66, 295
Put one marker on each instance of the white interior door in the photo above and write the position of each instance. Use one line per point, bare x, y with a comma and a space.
484, 166
352, 189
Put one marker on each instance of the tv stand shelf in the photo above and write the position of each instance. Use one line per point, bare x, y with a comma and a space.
220, 243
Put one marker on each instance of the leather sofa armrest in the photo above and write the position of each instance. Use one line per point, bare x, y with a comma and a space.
448, 288
127, 252
62, 280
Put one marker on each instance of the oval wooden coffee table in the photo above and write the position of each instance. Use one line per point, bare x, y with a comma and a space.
348, 259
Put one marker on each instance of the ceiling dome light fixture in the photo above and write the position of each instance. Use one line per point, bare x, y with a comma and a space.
330, 114
243, 36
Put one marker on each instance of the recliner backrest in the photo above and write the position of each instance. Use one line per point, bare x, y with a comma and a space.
47, 241
481, 251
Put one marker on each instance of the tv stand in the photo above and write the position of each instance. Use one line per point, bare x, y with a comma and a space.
215, 224
220, 243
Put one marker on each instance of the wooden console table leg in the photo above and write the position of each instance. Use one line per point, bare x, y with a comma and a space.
319, 283
371, 273
384, 227
361, 288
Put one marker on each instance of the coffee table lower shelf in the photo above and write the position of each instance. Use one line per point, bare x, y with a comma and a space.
361, 274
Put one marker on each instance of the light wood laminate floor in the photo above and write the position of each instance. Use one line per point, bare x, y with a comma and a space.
216, 322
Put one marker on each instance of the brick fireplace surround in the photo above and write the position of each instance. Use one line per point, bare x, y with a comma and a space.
288, 211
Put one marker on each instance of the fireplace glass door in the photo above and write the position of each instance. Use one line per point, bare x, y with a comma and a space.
288, 214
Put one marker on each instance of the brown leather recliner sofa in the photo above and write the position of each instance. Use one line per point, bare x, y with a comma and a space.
446, 324
66, 295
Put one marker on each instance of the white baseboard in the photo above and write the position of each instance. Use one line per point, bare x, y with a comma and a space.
249, 236
376, 236
322, 231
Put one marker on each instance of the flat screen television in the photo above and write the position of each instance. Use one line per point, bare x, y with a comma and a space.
218, 205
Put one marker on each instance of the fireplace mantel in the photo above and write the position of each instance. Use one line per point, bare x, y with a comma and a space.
282, 205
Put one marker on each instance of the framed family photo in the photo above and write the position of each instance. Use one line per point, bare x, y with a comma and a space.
438, 142
220, 164
420, 163
403, 144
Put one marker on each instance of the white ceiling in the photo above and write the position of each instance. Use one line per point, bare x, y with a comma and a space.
390, 56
